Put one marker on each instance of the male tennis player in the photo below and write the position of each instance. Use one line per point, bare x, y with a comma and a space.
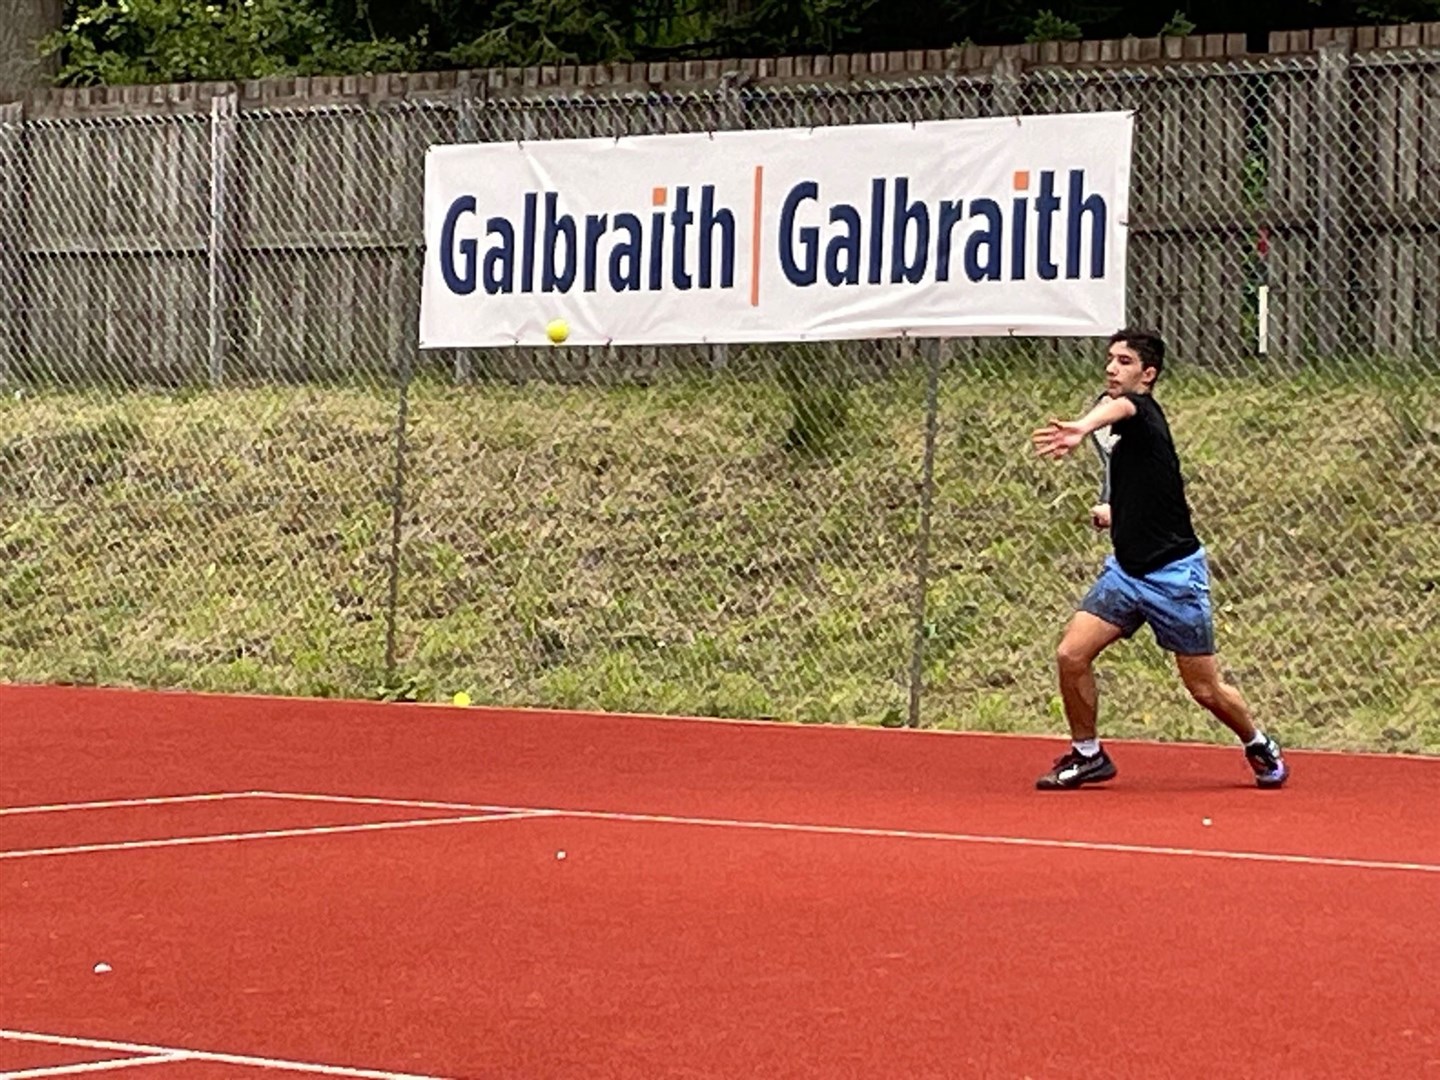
1158, 573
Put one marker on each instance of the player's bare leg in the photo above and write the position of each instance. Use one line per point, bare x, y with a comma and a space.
1208, 687
1211, 692
1085, 638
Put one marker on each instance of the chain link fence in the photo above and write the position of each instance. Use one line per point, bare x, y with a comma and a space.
227, 466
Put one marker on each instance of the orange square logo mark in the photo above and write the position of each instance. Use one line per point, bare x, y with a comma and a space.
657, 196
1022, 179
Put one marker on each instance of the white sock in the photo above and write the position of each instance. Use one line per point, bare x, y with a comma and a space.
1087, 747
1258, 739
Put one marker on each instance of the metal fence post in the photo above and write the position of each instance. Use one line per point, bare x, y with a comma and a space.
224, 109
469, 99
12, 239
1333, 326
397, 516
1006, 83
922, 538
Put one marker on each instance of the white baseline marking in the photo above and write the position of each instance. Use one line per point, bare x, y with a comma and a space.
92, 1066
358, 800
1024, 841
208, 1055
913, 834
269, 834
110, 804
491, 812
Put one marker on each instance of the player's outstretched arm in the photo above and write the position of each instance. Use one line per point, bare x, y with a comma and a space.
1059, 437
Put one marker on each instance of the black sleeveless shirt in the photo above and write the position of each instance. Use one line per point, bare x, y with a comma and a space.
1149, 516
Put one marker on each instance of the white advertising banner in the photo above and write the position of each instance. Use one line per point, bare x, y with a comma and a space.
945, 228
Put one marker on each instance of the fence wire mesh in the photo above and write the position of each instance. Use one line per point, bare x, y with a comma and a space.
227, 466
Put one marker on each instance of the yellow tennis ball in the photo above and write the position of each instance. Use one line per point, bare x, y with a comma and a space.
557, 330
461, 698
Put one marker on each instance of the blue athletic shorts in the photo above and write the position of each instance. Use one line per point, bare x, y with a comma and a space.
1174, 600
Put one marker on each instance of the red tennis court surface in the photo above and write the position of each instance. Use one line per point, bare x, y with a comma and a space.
291, 888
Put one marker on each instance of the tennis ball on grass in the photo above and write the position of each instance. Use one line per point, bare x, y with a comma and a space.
461, 698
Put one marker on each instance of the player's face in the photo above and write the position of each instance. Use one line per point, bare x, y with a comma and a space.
1124, 373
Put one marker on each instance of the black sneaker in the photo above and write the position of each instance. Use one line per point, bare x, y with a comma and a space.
1267, 763
1074, 769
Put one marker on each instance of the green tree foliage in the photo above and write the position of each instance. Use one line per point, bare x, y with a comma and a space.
1178, 25
1047, 26
122, 41
146, 41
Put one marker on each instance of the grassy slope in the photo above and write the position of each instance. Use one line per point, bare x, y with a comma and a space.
657, 549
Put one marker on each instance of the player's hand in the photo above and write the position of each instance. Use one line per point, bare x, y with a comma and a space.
1100, 516
1057, 438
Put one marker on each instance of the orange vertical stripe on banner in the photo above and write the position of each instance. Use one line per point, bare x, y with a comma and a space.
755, 240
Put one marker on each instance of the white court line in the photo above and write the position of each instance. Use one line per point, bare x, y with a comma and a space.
418, 804
57, 808
912, 834
92, 1066
182, 1053
269, 834
490, 812
1022, 841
